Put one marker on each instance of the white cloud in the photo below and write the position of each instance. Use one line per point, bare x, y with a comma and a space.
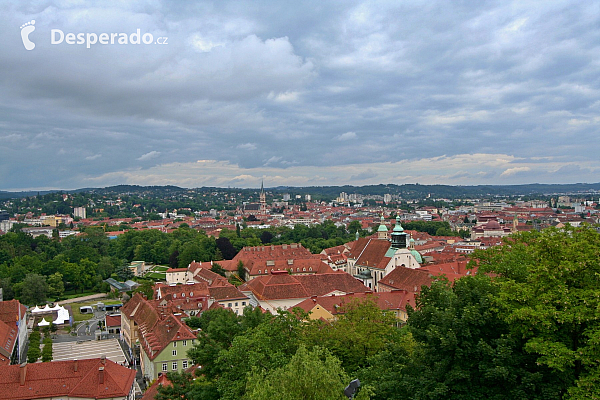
515, 170
148, 156
246, 146
346, 136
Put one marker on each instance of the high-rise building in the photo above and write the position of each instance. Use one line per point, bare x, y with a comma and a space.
79, 212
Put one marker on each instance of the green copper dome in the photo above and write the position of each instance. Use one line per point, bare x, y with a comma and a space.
398, 227
382, 227
417, 256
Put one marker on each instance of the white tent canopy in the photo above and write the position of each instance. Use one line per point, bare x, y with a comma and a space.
43, 322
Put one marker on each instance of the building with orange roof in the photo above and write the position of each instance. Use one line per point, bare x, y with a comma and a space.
329, 307
13, 331
96, 378
280, 290
155, 327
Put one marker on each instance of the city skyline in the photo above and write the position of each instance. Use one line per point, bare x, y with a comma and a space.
310, 94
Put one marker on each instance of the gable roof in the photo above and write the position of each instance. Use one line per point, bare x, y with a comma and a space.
407, 279
9, 311
281, 285
75, 379
395, 300
157, 325
370, 252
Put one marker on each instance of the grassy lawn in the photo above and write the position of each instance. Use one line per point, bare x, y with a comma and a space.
156, 275
77, 316
159, 268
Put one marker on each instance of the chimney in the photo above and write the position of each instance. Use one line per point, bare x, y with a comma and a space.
101, 375
23, 373
75, 365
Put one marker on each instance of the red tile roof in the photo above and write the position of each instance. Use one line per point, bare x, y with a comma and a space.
395, 300
407, 279
285, 286
370, 252
197, 289
92, 378
157, 325
9, 311
113, 320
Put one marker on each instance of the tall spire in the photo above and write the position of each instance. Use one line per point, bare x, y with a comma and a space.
263, 199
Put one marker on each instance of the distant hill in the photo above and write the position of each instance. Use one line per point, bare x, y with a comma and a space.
447, 191
409, 191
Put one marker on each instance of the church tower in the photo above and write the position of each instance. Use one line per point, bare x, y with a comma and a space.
263, 200
398, 235
382, 231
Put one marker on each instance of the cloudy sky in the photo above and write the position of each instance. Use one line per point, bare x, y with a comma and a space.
300, 93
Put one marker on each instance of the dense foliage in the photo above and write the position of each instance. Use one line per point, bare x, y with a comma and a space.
525, 327
40, 269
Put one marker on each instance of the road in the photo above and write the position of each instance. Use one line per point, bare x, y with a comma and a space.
84, 298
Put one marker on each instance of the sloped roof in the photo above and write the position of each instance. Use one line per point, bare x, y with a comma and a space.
197, 289
62, 379
281, 285
221, 293
8, 340
407, 279
370, 252
9, 311
395, 300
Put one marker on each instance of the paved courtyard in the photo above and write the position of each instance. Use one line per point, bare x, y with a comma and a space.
88, 349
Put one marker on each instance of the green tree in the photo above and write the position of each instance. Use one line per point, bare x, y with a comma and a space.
462, 349
217, 269
361, 331
185, 386
314, 375
549, 293
33, 289
146, 288
33, 351
47, 350
56, 287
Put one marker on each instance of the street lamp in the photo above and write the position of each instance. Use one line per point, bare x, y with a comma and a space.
351, 389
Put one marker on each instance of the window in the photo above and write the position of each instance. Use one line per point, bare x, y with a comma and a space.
185, 342
236, 304
184, 364
174, 344
174, 365
164, 366
174, 352
243, 303
229, 305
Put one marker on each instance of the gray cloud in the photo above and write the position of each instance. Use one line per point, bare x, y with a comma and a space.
313, 85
